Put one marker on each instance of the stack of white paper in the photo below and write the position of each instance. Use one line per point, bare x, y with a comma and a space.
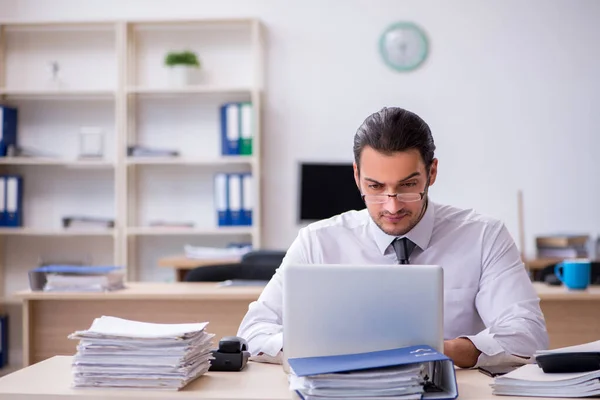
115, 352
214, 253
530, 380
400, 382
84, 283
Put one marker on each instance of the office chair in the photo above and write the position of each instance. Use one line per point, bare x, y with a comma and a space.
259, 265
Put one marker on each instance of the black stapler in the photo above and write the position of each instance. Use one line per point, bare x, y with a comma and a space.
232, 354
569, 362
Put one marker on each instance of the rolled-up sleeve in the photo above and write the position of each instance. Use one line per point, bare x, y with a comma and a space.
262, 326
508, 305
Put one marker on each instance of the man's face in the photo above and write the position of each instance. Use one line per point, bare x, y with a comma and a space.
400, 172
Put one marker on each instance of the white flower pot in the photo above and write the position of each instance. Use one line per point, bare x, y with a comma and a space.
180, 75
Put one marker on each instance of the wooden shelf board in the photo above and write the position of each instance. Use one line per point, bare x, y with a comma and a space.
49, 232
164, 231
184, 161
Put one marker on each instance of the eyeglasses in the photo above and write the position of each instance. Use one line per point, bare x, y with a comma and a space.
383, 198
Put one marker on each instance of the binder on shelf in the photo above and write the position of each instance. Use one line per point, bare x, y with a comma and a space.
14, 201
3, 340
230, 129
414, 370
246, 134
235, 198
222, 199
2, 201
247, 199
8, 129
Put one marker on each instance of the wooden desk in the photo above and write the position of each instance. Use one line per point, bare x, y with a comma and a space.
51, 380
49, 317
182, 264
571, 316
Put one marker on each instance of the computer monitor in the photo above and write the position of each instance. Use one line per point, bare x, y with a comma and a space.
327, 189
342, 309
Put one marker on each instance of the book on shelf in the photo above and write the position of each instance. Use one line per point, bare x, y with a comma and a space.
87, 223
562, 252
562, 240
217, 253
172, 224
144, 151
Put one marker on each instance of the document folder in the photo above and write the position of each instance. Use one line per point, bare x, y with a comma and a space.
443, 377
2, 201
235, 198
8, 129
222, 200
247, 199
246, 134
14, 201
230, 129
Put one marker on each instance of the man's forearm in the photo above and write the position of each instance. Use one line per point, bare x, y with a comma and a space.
462, 351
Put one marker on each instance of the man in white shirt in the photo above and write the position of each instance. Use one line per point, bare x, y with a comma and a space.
491, 310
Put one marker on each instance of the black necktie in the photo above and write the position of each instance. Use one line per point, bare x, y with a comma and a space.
403, 247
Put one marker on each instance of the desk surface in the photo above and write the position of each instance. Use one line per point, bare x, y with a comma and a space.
212, 291
547, 292
156, 291
51, 380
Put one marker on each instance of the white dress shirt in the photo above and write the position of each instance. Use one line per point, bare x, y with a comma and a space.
488, 296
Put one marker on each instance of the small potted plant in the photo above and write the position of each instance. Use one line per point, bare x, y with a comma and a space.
181, 65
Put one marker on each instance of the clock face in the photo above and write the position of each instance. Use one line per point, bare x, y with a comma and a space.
403, 46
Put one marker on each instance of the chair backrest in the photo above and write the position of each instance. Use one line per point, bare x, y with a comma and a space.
257, 265
213, 273
263, 257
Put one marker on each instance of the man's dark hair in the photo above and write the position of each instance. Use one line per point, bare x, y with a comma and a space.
394, 129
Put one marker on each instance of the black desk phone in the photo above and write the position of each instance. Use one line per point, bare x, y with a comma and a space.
569, 362
232, 354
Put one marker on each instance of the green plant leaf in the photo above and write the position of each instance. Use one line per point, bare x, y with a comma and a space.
182, 58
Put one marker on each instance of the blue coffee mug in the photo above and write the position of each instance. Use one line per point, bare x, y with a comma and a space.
575, 273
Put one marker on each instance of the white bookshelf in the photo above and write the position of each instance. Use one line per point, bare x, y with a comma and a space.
113, 77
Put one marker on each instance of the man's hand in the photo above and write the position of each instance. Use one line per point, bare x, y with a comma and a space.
462, 351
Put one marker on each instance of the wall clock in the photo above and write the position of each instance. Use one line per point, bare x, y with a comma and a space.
404, 46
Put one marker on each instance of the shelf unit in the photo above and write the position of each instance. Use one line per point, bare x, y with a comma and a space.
112, 76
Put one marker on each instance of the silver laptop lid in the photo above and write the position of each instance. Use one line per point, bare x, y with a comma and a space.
339, 309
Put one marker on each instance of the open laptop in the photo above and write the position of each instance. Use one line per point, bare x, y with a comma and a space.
339, 309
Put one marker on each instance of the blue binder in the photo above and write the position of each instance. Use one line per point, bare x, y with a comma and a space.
222, 199
247, 199
309, 366
13, 215
2, 201
3, 341
8, 129
235, 198
230, 129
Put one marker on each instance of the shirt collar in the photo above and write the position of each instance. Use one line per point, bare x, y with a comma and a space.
420, 234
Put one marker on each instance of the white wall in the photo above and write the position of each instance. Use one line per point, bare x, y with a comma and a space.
509, 90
